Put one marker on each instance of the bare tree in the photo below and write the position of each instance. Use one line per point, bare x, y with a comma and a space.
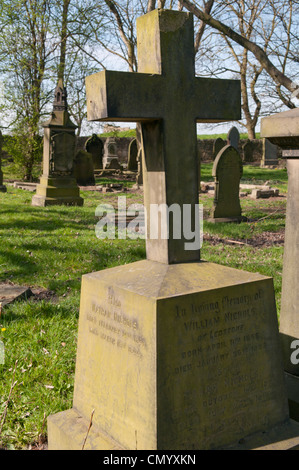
278, 76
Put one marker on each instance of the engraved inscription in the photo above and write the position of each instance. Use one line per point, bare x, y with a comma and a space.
222, 343
110, 323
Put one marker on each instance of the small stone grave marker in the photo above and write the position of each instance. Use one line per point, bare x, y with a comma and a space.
227, 172
95, 146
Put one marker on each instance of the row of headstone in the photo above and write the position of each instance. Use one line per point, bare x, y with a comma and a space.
173, 352
269, 152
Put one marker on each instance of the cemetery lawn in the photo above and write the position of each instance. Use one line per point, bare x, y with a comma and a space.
48, 249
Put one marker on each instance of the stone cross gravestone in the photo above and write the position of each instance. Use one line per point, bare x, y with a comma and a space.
3, 188
172, 354
270, 154
95, 146
227, 172
57, 184
282, 129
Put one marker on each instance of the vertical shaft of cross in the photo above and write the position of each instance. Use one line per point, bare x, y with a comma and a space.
168, 50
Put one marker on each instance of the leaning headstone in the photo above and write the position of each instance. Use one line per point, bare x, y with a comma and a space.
3, 188
282, 129
57, 184
83, 168
227, 172
233, 138
217, 146
95, 146
132, 156
264, 193
270, 154
173, 353
110, 151
248, 152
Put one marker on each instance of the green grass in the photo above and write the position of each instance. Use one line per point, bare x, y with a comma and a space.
51, 248
223, 136
129, 133
277, 178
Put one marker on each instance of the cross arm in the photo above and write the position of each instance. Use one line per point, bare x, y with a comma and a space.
217, 100
124, 96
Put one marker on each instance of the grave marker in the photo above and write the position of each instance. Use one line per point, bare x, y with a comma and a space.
248, 152
132, 156
83, 168
94, 145
227, 172
233, 138
110, 152
270, 154
219, 143
57, 184
172, 354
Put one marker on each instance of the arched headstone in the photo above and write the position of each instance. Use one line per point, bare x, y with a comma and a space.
132, 156
83, 169
233, 137
248, 152
95, 146
227, 172
218, 145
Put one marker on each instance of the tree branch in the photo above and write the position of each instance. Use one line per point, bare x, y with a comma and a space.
278, 77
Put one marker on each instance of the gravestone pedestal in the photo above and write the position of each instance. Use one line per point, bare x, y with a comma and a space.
57, 191
177, 357
58, 185
282, 129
